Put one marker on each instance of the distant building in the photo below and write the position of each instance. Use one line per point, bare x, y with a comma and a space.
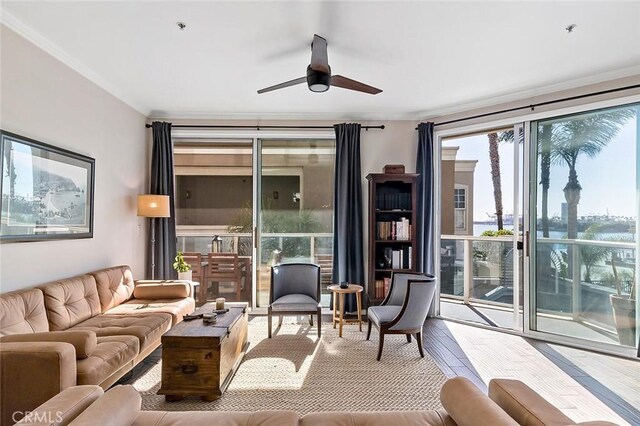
457, 193
564, 213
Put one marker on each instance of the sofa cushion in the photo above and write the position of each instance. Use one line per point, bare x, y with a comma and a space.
23, 311
66, 405
162, 289
379, 418
83, 341
294, 302
111, 354
71, 301
220, 418
118, 406
115, 286
148, 328
524, 405
176, 308
383, 314
468, 406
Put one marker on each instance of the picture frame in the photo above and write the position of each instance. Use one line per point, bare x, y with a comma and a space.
47, 193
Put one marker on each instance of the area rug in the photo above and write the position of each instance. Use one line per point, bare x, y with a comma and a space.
296, 371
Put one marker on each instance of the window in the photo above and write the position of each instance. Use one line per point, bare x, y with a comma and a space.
460, 207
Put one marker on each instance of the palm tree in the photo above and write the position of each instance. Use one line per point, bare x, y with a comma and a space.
494, 158
587, 136
544, 141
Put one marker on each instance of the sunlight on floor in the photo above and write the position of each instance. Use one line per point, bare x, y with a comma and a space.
284, 368
494, 354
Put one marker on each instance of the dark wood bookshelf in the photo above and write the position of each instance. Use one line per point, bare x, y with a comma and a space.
392, 198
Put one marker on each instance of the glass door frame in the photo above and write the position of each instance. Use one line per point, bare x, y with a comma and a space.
530, 161
258, 138
440, 136
255, 136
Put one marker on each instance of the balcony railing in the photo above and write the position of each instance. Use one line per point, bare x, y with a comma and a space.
477, 269
574, 278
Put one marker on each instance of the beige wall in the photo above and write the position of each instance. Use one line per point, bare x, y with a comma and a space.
43, 99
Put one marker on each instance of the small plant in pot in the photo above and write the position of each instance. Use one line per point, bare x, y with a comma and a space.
624, 307
182, 268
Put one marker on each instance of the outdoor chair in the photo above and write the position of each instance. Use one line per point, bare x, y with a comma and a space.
405, 308
222, 268
295, 290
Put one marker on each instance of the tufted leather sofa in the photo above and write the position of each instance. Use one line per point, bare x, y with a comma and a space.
510, 403
85, 330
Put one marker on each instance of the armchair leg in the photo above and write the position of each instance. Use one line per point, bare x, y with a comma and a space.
311, 320
419, 339
269, 321
408, 337
368, 329
319, 322
380, 345
279, 320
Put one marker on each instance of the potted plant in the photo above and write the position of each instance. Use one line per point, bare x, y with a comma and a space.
624, 307
182, 268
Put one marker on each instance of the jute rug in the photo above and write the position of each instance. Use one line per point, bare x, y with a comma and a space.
296, 371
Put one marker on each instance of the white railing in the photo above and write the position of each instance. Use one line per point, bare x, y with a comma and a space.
466, 259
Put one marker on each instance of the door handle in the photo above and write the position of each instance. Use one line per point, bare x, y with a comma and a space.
255, 237
527, 242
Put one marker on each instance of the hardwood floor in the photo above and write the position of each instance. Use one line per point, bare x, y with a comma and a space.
584, 385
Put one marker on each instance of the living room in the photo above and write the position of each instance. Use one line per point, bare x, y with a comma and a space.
480, 157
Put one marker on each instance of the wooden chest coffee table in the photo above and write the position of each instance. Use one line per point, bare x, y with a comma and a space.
201, 359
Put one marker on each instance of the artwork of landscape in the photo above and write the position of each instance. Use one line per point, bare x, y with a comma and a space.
43, 192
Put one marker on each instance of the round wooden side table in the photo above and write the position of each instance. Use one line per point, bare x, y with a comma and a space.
339, 293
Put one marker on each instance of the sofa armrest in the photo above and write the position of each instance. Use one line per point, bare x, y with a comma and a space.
31, 373
468, 406
64, 407
84, 341
149, 289
120, 405
524, 404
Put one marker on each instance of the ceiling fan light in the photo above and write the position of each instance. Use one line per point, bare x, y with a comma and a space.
318, 87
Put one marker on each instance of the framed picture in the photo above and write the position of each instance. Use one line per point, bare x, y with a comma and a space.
47, 192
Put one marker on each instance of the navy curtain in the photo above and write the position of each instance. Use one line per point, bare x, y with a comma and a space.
347, 211
162, 184
425, 198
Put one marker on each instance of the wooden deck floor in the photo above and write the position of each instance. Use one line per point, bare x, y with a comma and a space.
584, 385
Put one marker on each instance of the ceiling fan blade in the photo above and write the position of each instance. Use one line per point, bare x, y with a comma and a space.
347, 83
283, 85
319, 60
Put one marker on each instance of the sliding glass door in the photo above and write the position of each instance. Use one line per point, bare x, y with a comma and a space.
295, 219
584, 226
481, 227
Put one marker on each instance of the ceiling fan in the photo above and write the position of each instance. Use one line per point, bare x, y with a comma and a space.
319, 77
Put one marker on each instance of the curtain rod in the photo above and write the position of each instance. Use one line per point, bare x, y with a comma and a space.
257, 127
533, 106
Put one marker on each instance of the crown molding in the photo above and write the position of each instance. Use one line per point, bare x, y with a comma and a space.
39, 40
282, 116
525, 95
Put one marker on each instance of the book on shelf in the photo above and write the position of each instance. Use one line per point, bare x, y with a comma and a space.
394, 230
382, 287
401, 258
397, 201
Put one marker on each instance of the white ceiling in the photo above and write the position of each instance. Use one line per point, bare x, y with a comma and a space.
428, 57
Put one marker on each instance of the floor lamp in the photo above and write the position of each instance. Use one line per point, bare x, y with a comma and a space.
153, 206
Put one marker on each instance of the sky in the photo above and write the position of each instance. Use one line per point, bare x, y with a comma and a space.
24, 163
608, 180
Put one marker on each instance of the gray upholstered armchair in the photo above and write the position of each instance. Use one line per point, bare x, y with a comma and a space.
405, 308
295, 290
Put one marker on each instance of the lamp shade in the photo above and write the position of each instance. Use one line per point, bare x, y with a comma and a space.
152, 205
